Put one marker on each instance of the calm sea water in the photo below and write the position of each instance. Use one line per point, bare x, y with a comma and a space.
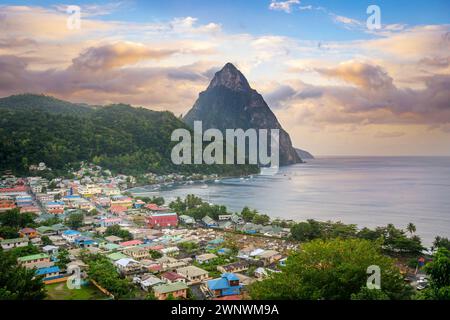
367, 191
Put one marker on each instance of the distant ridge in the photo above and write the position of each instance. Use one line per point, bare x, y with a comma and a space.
119, 137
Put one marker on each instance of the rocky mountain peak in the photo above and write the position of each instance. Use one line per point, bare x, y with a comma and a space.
231, 78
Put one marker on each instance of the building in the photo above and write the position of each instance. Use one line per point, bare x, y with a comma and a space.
171, 277
40, 260
227, 285
193, 274
70, 235
224, 217
14, 243
54, 207
128, 266
118, 209
186, 219
131, 243
114, 239
162, 220
123, 201
209, 222
51, 250
89, 190
24, 201
84, 242
29, 233
205, 258
149, 281
270, 256
137, 252
6, 204
49, 273
176, 290
110, 222
234, 267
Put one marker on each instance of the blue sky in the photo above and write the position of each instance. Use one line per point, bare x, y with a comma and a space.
253, 16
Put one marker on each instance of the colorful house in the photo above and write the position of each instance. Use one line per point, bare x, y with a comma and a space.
40, 260
227, 285
70, 235
28, 232
162, 220
176, 290
49, 273
14, 243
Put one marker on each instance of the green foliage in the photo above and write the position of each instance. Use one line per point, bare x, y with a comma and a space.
23, 251
439, 271
17, 282
63, 259
394, 240
14, 219
7, 232
50, 221
117, 231
369, 294
118, 137
333, 270
105, 274
188, 246
75, 221
155, 254
440, 242
248, 215
46, 241
195, 207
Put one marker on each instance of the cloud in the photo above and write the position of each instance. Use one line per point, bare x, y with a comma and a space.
285, 6
385, 135
360, 74
117, 55
367, 95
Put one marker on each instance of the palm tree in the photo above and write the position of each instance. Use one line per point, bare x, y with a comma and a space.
411, 228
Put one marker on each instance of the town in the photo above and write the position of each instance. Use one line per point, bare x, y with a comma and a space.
159, 252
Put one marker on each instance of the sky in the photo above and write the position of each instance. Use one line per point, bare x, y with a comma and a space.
337, 86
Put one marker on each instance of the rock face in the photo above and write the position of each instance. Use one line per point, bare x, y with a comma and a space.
230, 103
303, 154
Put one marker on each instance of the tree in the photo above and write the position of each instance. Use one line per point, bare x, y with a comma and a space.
157, 200
369, 294
23, 251
105, 274
439, 271
117, 231
75, 221
248, 214
332, 270
261, 219
17, 282
155, 254
46, 241
411, 228
7, 232
14, 219
63, 259
441, 242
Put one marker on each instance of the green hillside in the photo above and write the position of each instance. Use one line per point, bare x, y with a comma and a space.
122, 138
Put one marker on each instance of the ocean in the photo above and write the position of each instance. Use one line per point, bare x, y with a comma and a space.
366, 191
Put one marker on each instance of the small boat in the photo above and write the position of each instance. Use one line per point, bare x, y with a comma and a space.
216, 181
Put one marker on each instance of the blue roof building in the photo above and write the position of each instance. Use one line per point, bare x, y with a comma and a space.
49, 272
227, 285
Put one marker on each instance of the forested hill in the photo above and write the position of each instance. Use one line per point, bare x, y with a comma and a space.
124, 139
